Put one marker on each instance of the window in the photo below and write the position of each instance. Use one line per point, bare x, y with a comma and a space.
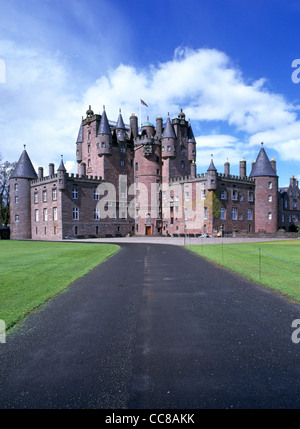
103, 145
17, 218
290, 218
89, 148
270, 198
249, 214
285, 204
172, 221
36, 215
241, 198
75, 213
222, 213
16, 187
44, 196
294, 204
234, 214
282, 218
96, 214
270, 185
36, 197
54, 230
16, 199
54, 213
122, 148
203, 194
182, 164
240, 217
96, 196
205, 212
136, 166
45, 215
54, 194
250, 197
169, 148
122, 162
234, 195
269, 215
223, 194
187, 196
75, 194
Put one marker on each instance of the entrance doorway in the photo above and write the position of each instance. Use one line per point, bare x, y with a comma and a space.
148, 230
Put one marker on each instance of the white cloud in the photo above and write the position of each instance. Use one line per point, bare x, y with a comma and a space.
44, 106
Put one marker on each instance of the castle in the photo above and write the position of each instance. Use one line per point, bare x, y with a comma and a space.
142, 181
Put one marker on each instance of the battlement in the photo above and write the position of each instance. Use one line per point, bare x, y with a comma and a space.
203, 176
71, 176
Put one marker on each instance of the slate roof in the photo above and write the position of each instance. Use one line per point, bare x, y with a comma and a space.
80, 135
262, 166
104, 127
191, 137
168, 130
211, 166
120, 123
61, 166
24, 168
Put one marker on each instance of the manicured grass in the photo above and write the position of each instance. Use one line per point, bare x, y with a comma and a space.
33, 272
269, 263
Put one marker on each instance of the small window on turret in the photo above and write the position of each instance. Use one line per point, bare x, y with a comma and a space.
44, 196
16, 187
17, 218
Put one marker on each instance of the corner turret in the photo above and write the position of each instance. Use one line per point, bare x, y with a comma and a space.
168, 140
20, 200
211, 176
104, 138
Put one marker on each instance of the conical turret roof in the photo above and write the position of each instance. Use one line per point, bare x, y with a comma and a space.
211, 166
24, 168
168, 130
120, 123
104, 127
191, 137
80, 135
262, 165
61, 166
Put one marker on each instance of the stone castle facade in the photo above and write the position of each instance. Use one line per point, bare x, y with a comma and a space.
142, 181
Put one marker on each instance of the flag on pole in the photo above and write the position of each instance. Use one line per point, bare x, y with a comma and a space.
142, 101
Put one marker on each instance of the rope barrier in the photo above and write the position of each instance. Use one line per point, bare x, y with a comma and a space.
278, 259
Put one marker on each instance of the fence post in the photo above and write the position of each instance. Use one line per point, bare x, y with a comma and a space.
259, 264
222, 253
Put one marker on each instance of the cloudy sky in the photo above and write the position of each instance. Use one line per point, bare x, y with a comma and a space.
231, 65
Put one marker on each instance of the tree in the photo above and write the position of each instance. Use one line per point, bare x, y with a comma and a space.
6, 169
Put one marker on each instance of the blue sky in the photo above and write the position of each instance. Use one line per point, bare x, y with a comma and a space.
227, 63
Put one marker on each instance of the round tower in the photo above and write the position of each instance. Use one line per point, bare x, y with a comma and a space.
20, 198
147, 173
168, 140
104, 139
62, 176
211, 176
266, 194
191, 145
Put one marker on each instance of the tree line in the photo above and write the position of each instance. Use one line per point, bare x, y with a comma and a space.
6, 169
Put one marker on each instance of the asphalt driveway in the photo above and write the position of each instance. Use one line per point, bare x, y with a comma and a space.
155, 326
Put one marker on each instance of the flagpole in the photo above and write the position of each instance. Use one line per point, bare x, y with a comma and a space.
140, 114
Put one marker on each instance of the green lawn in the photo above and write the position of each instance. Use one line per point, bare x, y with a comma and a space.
33, 272
275, 264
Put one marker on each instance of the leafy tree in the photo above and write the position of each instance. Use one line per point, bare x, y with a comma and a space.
6, 169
